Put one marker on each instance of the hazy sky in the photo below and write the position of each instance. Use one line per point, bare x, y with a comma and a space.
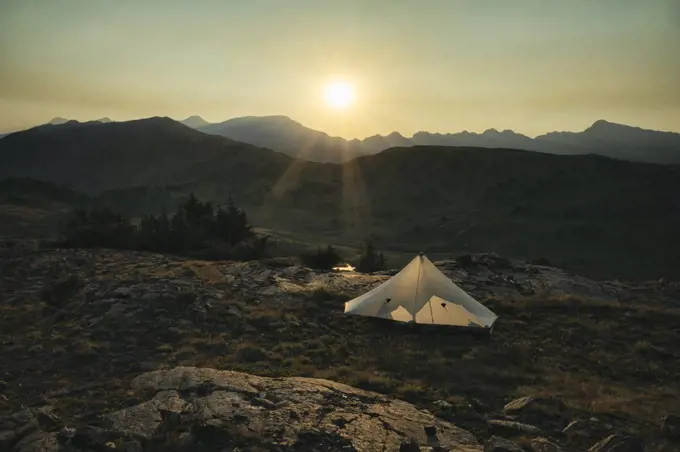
437, 65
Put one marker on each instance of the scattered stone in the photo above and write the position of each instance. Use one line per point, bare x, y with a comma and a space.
67, 432
47, 420
577, 427
148, 332
534, 404
498, 444
117, 309
123, 292
584, 431
544, 445
38, 442
618, 443
234, 310
499, 425
15, 427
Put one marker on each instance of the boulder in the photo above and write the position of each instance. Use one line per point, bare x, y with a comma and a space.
224, 409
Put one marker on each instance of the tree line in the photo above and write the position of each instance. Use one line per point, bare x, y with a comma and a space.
196, 228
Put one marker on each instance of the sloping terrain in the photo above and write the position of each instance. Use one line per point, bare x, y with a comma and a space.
158, 151
588, 213
31, 208
600, 216
78, 326
192, 409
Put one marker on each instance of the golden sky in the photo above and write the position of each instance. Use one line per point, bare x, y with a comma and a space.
438, 65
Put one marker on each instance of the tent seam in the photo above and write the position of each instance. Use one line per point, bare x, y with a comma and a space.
415, 298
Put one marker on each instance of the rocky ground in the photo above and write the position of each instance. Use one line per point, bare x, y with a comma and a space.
94, 343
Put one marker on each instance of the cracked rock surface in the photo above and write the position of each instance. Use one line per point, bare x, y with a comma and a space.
222, 409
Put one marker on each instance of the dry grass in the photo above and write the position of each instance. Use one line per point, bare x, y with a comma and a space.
610, 359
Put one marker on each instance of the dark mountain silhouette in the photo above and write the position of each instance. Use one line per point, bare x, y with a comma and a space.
95, 156
617, 141
377, 143
282, 134
195, 122
594, 214
58, 120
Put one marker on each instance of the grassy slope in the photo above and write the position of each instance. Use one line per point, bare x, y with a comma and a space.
589, 213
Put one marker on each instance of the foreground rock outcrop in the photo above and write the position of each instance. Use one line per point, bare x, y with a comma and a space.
190, 408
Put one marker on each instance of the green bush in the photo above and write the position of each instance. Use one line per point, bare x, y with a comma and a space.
370, 260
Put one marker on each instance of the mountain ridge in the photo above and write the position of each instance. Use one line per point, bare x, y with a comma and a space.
592, 212
283, 134
194, 122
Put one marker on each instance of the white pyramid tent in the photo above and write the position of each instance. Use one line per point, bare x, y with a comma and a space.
420, 293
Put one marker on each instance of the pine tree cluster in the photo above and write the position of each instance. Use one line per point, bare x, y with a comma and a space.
196, 228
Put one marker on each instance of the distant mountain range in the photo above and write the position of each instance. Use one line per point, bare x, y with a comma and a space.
619, 141
603, 215
58, 121
195, 122
282, 134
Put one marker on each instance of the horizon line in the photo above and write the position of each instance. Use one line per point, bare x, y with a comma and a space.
335, 136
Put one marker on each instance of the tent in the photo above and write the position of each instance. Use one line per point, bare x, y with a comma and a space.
420, 293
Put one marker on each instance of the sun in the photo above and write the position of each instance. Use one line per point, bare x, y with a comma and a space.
339, 95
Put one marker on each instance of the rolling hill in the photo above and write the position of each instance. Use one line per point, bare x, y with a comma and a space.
598, 215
